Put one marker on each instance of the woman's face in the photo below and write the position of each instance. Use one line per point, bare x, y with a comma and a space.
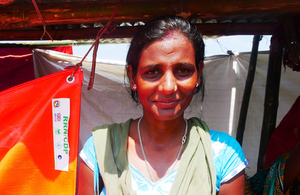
167, 76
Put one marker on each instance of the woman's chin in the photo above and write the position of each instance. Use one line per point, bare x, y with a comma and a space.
166, 114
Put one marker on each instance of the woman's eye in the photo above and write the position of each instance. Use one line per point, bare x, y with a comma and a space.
152, 73
183, 72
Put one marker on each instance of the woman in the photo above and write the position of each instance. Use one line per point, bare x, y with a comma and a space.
280, 177
162, 152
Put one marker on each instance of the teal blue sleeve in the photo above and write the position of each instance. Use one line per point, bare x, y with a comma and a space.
229, 158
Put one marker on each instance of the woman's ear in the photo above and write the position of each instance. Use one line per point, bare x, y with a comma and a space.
130, 76
200, 65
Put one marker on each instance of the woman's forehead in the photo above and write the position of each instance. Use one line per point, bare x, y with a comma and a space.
170, 41
172, 50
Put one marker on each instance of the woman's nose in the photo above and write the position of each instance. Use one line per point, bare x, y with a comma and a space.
168, 83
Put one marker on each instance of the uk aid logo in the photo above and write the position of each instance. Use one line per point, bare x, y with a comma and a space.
57, 117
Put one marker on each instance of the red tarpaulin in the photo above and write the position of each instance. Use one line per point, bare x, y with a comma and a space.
30, 149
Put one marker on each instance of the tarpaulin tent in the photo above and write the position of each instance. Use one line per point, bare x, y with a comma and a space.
225, 76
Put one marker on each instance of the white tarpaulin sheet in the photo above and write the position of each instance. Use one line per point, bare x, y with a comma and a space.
225, 77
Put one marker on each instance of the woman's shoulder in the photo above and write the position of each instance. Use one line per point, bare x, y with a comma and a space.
227, 148
116, 126
98, 131
218, 135
223, 140
229, 157
215, 135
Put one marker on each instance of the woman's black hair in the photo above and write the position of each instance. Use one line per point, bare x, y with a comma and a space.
157, 29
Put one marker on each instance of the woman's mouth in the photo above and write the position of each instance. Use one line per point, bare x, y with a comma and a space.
166, 103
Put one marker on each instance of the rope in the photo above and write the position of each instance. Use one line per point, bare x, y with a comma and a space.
105, 28
40, 16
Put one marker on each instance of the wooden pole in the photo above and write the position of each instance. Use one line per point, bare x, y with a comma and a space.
271, 98
248, 89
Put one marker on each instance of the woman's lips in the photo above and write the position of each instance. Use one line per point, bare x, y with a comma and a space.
169, 103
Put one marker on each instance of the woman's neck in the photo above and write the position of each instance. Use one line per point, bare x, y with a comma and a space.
160, 134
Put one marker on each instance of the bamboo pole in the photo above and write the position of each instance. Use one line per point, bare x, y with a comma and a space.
271, 98
248, 89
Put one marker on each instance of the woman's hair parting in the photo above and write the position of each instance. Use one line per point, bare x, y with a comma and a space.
157, 29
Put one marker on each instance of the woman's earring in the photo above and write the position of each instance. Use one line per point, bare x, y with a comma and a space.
175, 88
197, 85
134, 87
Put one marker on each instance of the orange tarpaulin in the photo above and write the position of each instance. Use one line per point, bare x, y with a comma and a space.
27, 135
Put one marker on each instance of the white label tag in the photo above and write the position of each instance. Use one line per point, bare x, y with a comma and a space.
60, 118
